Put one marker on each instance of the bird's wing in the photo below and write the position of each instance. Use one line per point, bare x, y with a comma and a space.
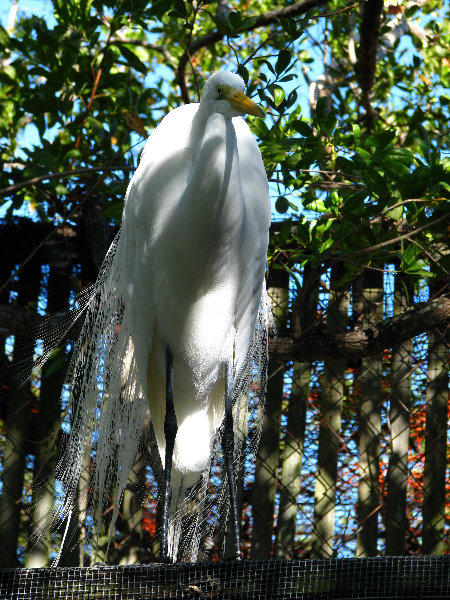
255, 237
152, 196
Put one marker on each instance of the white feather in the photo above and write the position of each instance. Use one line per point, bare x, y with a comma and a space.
186, 271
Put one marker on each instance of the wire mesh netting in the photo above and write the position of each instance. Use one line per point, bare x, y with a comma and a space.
354, 458
381, 577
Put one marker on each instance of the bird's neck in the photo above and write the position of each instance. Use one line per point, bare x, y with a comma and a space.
199, 122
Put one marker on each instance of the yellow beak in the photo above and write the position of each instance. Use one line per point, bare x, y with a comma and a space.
243, 104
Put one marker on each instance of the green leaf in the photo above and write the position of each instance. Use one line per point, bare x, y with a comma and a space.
133, 60
334, 201
178, 9
97, 125
326, 245
243, 72
246, 23
396, 168
402, 155
380, 141
283, 60
303, 128
56, 362
73, 153
366, 156
418, 265
278, 95
160, 7
316, 206
396, 213
61, 189
346, 165
115, 209
259, 127
282, 205
321, 108
426, 142
235, 20
4, 37
292, 98
264, 61
330, 123
354, 204
290, 27
222, 23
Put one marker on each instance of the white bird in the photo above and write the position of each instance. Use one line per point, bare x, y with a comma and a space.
176, 312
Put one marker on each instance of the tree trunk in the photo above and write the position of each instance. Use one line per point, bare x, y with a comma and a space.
264, 489
370, 380
399, 416
330, 427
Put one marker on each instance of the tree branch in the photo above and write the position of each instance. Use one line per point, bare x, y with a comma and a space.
399, 238
357, 343
142, 43
62, 175
351, 345
367, 55
272, 16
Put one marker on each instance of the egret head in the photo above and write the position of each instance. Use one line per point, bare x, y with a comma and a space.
224, 92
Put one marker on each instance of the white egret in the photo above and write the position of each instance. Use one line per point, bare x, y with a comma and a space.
176, 317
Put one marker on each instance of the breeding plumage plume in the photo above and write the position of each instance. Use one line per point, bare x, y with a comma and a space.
177, 321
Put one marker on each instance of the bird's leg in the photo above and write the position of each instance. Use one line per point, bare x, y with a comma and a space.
228, 450
170, 432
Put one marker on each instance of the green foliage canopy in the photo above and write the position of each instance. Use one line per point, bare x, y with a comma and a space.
352, 182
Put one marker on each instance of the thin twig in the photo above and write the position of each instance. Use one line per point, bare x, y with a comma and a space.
258, 48
117, 41
62, 175
263, 20
396, 239
88, 107
337, 12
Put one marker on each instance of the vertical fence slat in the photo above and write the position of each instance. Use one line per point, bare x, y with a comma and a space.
130, 521
292, 461
17, 427
45, 437
370, 380
399, 425
333, 384
435, 444
304, 310
264, 490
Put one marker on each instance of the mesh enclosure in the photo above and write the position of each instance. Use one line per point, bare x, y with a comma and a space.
387, 577
354, 457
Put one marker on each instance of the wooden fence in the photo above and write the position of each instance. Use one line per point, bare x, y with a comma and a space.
353, 458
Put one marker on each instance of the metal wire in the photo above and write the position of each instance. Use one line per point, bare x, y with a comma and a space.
368, 578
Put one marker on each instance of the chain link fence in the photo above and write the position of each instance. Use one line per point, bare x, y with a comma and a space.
353, 458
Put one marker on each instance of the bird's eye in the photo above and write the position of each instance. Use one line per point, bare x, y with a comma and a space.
219, 91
